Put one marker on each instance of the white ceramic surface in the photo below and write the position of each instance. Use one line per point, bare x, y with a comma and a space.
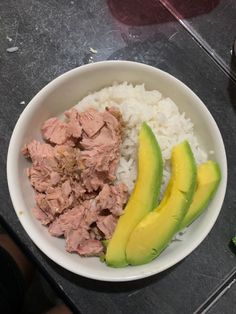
63, 93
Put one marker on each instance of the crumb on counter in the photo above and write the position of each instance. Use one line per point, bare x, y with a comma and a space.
9, 38
93, 50
12, 49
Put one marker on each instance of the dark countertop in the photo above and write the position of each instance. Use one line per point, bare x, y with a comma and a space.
227, 302
55, 36
212, 23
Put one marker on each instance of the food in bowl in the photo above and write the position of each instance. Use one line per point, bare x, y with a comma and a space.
72, 175
85, 171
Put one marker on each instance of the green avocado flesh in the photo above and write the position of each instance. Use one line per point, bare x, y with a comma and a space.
208, 179
151, 236
143, 198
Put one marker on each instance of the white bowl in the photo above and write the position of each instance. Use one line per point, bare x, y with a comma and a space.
63, 93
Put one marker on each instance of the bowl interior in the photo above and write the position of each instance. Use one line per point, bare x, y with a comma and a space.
65, 92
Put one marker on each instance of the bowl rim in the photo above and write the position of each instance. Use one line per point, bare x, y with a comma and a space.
11, 159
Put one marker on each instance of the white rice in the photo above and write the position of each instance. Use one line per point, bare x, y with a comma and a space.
162, 115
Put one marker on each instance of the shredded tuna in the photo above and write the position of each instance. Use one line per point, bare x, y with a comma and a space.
55, 178
37, 151
78, 190
95, 233
40, 177
69, 220
41, 216
55, 131
91, 212
73, 177
90, 248
59, 199
116, 113
41, 202
113, 198
74, 128
76, 237
107, 225
68, 161
92, 121
101, 153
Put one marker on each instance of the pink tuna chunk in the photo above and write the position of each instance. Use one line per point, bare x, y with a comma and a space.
77, 190
101, 153
91, 121
90, 248
41, 216
54, 131
113, 197
42, 203
91, 212
71, 219
37, 151
59, 198
74, 128
74, 238
107, 225
42, 177
68, 162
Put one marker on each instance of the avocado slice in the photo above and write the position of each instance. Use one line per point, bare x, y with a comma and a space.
208, 179
151, 236
143, 198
